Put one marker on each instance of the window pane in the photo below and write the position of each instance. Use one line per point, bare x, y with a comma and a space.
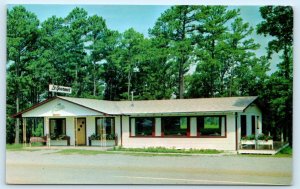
109, 125
144, 126
174, 126
211, 126
105, 126
57, 128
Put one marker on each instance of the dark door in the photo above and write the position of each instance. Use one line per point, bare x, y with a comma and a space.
243, 125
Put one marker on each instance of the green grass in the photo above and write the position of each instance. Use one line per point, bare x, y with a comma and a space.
167, 150
96, 152
160, 151
14, 147
81, 152
20, 147
286, 152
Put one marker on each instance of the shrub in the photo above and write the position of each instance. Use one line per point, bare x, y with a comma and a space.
264, 137
94, 137
250, 137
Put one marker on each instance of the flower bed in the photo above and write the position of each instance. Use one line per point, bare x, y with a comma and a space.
265, 140
260, 140
105, 140
61, 140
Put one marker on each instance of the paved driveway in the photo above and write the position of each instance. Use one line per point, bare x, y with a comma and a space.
47, 167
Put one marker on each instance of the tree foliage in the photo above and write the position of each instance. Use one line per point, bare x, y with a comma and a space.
278, 23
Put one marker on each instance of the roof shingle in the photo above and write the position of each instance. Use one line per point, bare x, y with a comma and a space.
223, 104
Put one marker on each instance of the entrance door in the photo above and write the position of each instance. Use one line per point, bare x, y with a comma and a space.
81, 131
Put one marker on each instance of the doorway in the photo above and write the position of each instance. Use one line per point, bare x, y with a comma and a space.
243, 125
81, 131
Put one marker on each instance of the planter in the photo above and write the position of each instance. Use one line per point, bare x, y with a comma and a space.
265, 142
248, 142
104, 143
58, 142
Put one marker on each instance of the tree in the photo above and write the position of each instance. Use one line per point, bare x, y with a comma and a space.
176, 26
96, 34
52, 55
76, 23
22, 33
278, 23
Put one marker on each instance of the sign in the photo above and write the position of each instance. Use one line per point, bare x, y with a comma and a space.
60, 89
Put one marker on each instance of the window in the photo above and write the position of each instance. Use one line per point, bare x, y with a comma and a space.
211, 126
142, 126
174, 126
105, 126
243, 125
57, 127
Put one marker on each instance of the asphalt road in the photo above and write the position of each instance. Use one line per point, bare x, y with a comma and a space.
47, 167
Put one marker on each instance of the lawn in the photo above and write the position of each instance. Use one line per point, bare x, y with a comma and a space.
18, 147
168, 150
139, 151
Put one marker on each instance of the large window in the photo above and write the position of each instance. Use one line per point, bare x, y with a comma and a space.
105, 126
142, 126
174, 126
57, 127
211, 126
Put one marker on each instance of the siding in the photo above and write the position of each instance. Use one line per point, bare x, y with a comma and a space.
90, 127
70, 129
60, 108
252, 110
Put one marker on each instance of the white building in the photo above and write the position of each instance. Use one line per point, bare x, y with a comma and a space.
203, 123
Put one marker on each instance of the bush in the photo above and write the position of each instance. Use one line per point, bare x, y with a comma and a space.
250, 137
264, 137
98, 137
94, 137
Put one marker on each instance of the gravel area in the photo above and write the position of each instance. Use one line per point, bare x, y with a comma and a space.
48, 167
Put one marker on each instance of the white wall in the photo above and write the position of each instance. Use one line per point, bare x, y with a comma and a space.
70, 129
193, 126
252, 110
157, 126
118, 128
61, 108
227, 143
90, 127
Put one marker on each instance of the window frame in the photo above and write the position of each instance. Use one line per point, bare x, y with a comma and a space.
143, 136
207, 136
96, 118
50, 119
188, 135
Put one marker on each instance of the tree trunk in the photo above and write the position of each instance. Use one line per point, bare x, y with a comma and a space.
181, 81
94, 78
17, 138
128, 87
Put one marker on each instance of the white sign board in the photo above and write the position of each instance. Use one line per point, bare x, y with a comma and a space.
60, 89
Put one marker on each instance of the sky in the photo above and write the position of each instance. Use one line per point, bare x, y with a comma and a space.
143, 17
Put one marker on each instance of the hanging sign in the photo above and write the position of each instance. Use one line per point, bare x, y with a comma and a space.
60, 89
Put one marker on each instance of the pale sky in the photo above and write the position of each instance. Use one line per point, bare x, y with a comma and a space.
143, 17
